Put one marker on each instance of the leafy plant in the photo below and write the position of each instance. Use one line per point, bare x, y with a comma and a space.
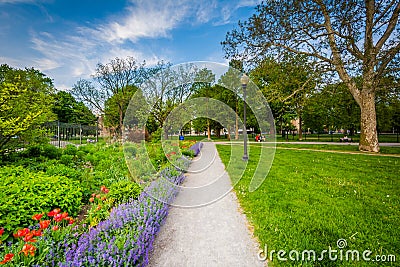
24, 193
124, 191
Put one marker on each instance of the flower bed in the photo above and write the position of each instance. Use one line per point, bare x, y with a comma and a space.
124, 238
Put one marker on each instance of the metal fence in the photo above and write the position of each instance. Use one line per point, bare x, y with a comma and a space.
62, 133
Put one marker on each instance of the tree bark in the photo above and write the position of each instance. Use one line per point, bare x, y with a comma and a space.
369, 135
208, 130
300, 128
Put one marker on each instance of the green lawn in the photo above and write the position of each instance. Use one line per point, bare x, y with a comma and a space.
311, 199
349, 148
383, 138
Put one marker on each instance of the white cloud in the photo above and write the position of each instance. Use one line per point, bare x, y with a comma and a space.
145, 19
73, 56
45, 64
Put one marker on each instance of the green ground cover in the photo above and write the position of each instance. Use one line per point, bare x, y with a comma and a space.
312, 199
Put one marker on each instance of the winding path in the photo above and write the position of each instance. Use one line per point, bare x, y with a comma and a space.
205, 226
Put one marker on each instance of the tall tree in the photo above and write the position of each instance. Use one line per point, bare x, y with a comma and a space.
69, 110
286, 83
114, 78
202, 86
113, 105
350, 38
333, 107
25, 103
229, 80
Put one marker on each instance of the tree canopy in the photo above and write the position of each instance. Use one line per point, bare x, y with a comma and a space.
348, 38
69, 110
25, 103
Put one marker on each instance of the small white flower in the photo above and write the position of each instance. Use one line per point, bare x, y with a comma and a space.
387, 195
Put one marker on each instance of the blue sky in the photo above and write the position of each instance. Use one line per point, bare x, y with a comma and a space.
65, 39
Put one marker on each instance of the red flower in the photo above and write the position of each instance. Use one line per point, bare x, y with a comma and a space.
58, 217
94, 194
8, 257
21, 233
55, 228
64, 215
91, 199
98, 196
37, 217
104, 189
29, 238
44, 224
53, 212
36, 232
28, 249
1, 231
71, 220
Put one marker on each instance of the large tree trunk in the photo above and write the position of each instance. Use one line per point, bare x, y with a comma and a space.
369, 135
208, 130
300, 127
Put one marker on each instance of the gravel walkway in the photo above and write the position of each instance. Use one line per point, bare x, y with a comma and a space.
205, 226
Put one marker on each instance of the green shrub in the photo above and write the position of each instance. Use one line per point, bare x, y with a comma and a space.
67, 160
24, 193
80, 154
50, 151
156, 136
70, 150
62, 170
33, 151
123, 191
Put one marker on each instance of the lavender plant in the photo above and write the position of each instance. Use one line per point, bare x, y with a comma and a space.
196, 148
126, 237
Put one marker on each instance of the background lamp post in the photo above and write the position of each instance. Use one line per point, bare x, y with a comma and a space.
244, 80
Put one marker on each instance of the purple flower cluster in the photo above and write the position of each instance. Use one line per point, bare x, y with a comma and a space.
196, 148
126, 237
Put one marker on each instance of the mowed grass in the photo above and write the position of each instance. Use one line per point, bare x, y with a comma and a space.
312, 199
346, 147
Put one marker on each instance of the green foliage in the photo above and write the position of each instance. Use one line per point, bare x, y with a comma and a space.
50, 151
69, 110
67, 160
25, 103
44, 150
156, 136
124, 191
33, 151
70, 150
54, 169
332, 108
116, 106
24, 193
